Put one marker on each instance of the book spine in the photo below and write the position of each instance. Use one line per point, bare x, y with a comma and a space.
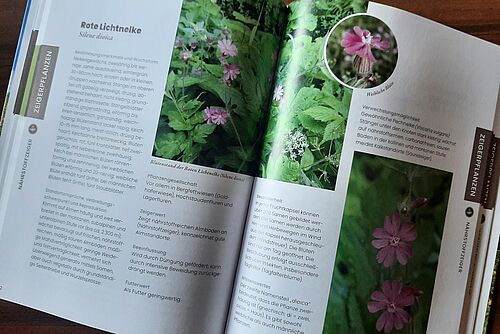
483, 176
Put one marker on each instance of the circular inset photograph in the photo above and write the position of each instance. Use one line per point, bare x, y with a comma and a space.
361, 51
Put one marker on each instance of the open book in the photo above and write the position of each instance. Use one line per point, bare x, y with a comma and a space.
246, 166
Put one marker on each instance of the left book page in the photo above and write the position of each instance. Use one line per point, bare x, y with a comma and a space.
126, 158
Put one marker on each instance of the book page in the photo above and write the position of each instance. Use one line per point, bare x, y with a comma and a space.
365, 217
130, 138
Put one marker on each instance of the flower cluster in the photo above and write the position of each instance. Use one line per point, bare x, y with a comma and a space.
193, 50
215, 115
359, 45
294, 145
393, 242
200, 41
227, 50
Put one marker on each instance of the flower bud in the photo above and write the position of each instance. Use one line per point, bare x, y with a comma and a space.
362, 65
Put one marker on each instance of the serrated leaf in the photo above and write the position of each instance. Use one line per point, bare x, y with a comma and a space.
170, 145
191, 152
201, 132
306, 97
323, 114
334, 130
311, 124
302, 18
177, 122
167, 105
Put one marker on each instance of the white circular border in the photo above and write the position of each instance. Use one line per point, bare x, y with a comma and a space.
326, 45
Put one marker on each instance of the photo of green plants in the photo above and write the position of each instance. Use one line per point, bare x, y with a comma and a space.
362, 51
309, 110
388, 249
220, 83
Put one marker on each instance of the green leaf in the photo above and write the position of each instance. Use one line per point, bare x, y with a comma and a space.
302, 17
307, 97
191, 152
323, 114
214, 69
201, 132
167, 105
290, 171
187, 81
307, 159
244, 19
346, 103
177, 122
311, 124
334, 130
170, 145
229, 95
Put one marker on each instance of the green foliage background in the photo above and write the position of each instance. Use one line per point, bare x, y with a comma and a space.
313, 102
378, 187
343, 69
193, 85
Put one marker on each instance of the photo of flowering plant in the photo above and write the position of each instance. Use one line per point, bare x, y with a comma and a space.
219, 83
388, 249
361, 51
309, 110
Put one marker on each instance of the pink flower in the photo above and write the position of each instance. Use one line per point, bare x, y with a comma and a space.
227, 48
215, 115
392, 300
230, 72
361, 44
392, 241
186, 55
279, 93
178, 43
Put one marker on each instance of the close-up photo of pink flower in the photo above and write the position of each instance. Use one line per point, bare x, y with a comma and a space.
361, 52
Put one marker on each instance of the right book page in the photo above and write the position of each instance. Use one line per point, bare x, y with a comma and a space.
386, 244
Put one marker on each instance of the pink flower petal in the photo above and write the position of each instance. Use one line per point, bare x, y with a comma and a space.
408, 232
380, 243
350, 39
358, 31
379, 296
405, 316
381, 322
389, 258
374, 307
401, 257
406, 300
389, 322
380, 233
354, 48
388, 226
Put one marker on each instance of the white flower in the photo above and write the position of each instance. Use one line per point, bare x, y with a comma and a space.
294, 145
279, 93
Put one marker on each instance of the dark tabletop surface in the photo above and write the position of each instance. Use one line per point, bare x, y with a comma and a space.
480, 18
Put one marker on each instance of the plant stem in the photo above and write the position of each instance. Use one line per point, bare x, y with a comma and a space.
228, 109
